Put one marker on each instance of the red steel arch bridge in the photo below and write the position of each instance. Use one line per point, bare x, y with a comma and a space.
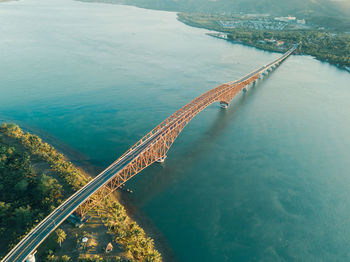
153, 147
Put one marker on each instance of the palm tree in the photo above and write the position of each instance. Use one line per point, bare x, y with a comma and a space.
65, 258
61, 236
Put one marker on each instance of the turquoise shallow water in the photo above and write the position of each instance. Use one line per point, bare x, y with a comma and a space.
266, 180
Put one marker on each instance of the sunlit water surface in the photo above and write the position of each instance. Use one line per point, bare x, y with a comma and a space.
266, 180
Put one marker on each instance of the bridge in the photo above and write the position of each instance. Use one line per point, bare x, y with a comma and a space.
153, 147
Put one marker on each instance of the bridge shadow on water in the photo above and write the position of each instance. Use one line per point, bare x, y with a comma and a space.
157, 177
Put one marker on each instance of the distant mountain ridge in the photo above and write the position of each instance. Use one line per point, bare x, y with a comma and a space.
333, 8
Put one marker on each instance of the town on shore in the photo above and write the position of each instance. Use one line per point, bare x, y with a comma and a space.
277, 34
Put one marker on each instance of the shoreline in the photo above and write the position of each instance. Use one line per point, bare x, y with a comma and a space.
160, 241
81, 162
197, 25
272, 51
243, 43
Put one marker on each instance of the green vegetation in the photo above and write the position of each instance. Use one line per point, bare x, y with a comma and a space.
126, 233
27, 195
58, 163
61, 236
325, 46
35, 178
331, 23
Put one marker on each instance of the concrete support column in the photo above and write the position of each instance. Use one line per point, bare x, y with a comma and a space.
31, 257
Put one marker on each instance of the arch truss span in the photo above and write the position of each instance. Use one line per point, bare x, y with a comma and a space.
151, 148
164, 135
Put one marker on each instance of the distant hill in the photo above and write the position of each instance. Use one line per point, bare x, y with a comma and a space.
274, 7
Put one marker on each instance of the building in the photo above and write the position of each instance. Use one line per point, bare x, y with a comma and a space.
287, 19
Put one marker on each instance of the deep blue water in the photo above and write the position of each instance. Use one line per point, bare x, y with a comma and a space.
266, 180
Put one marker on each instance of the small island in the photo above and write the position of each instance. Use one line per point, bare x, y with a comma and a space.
34, 179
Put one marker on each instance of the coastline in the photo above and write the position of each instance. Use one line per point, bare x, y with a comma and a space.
243, 43
81, 162
187, 22
76, 157
160, 242
191, 23
80, 159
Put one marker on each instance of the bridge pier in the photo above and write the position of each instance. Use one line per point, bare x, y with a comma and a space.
161, 159
244, 89
223, 104
31, 257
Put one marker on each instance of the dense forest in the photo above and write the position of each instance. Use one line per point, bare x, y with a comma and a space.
35, 179
26, 194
